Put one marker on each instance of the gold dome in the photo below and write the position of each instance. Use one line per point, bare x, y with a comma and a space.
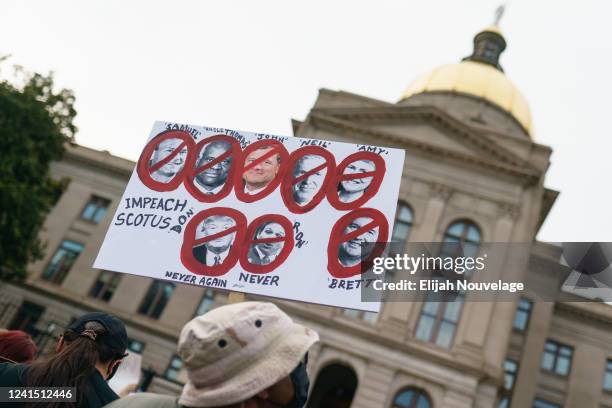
478, 79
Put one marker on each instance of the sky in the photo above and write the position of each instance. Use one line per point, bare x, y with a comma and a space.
254, 65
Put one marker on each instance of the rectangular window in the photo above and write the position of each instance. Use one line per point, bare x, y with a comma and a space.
521, 318
105, 285
136, 346
439, 319
174, 370
207, 302
62, 261
156, 299
95, 209
26, 318
607, 380
540, 403
557, 358
510, 370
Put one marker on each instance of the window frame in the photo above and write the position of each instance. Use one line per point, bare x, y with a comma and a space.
547, 404
414, 399
132, 341
607, 371
149, 310
209, 294
439, 316
556, 356
114, 280
100, 204
402, 204
60, 273
178, 370
522, 310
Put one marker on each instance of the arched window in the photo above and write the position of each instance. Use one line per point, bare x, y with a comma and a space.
440, 314
334, 386
402, 227
411, 398
464, 235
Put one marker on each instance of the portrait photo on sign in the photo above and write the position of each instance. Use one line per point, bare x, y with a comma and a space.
264, 253
166, 160
213, 178
260, 172
357, 249
214, 251
352, 189
310, 182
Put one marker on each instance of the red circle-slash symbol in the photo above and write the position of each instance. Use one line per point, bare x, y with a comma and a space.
377, 177
289, 181
338, 236
145, 168
276, 148
190, 242
234, 154
252, 240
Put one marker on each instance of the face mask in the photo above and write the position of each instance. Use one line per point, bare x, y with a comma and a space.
301, 383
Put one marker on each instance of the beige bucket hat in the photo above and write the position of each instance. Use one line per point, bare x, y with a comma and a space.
236, 351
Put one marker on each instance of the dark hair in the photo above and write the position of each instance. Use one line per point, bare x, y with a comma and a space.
17, 346
74, 364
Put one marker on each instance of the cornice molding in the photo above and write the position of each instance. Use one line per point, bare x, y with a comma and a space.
477, 138
71, 155
527, 175
581, 312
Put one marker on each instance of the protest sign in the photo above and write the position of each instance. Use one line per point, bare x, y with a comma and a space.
255, 213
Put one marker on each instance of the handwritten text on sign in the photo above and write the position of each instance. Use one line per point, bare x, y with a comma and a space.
257, 213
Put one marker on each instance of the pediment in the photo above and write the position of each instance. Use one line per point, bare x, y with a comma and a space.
427, 129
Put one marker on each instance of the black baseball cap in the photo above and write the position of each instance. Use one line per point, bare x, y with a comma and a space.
116, 336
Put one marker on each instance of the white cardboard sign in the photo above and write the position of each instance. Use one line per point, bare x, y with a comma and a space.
279, 216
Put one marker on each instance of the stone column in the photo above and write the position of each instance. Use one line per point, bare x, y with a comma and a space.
585, 383
433, 212
373, 389
529, 366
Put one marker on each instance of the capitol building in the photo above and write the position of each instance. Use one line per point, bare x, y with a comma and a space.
474, 173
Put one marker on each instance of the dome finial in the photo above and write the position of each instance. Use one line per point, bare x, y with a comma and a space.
489, 43
499, 13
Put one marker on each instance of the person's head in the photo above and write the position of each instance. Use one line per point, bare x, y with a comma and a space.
355, 250
213, 225
270, 230
245, 355
262, 173
357, 185
304, 190
17, 346
94, 342
174, 165
215, 175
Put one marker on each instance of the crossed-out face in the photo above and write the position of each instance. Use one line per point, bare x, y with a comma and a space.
270, 230
357, 185
305, 190
163, 150
261, 174
215, 224
215, 175
355, 250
